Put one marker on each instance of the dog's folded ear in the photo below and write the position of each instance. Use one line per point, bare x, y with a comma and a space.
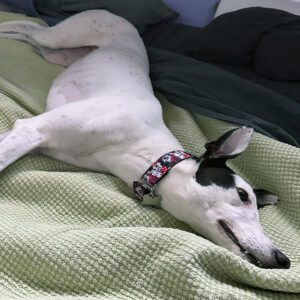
229, 145
265, 198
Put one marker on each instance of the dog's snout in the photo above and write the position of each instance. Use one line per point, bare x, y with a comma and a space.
282, 261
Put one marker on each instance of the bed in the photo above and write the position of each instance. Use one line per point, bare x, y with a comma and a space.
67, 233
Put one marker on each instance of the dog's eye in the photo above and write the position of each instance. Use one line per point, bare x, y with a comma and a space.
243, 194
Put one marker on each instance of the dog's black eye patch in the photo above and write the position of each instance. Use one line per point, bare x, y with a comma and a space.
243, 194
220, 176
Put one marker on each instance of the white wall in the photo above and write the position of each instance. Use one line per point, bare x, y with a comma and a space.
292, 6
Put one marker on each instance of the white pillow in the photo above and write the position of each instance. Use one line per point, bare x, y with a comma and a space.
225, 6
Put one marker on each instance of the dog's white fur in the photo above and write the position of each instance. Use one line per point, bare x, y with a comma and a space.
102, 115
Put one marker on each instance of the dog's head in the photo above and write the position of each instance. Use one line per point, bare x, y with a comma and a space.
219, 204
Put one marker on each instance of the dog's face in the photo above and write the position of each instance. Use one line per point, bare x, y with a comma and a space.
221, 205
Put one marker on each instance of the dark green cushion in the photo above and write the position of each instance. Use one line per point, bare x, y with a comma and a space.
141, 13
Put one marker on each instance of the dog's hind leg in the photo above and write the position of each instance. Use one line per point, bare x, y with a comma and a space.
3, 136
65, 57
22, 139
19, 30
27, 31
66, 42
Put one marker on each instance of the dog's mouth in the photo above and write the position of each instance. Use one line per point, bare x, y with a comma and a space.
250, 257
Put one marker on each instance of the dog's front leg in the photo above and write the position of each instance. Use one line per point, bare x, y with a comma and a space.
265, 198
3, 135
22, 139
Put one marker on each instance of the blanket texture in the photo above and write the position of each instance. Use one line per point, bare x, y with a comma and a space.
67, 233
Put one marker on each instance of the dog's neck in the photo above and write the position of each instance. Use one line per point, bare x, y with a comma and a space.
140, 155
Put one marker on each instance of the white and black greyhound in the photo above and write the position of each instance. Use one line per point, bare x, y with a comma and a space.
102, 115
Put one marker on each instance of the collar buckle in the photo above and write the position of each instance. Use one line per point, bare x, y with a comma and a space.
145, 187
145, 192
142, 188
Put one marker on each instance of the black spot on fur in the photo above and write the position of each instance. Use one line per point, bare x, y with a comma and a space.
220, 176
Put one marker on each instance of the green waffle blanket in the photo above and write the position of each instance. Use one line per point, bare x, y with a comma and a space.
67, 233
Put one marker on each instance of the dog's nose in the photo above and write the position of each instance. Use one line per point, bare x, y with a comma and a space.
282, 261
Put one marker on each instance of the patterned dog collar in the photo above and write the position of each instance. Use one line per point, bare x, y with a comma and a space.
144, 188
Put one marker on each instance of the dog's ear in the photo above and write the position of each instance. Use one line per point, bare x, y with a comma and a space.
265, 198
229, 145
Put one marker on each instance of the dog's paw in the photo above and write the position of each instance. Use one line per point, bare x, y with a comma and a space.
265, 198
19, 30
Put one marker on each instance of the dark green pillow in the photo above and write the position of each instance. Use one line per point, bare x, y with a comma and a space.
141, 13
